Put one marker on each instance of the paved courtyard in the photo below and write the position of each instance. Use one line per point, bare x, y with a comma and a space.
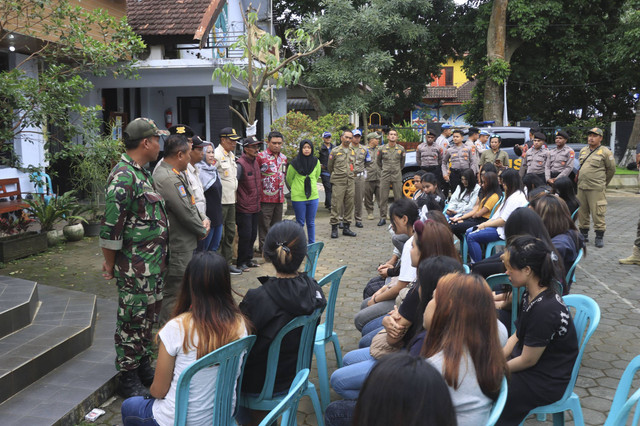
613, 286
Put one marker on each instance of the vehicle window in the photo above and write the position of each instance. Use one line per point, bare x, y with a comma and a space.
510, 139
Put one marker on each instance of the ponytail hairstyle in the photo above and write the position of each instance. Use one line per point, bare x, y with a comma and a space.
431, 178
511, 179
533, 252
206, 306
286, 246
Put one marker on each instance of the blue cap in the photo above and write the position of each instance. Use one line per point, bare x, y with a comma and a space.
484, 133
326, 135
446, 126
357, 132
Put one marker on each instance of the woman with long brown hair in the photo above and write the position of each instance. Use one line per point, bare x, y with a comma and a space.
463, 343
205, 318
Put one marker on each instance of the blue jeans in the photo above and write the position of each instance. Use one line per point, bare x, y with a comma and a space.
348, 380
475, 240
306, 212
212, 241
369, 331
138, 411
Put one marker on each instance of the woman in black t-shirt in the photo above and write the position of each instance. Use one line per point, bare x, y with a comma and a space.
542, 352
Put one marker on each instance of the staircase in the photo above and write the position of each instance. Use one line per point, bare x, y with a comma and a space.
56, 353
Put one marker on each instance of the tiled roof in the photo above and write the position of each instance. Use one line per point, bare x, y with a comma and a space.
451, 94
464, 91
166, 17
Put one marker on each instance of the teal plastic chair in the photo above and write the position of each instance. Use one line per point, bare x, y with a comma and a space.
621, 406
571, 275
585, 320
466, 268
574, 214
492, 246
42, 183
313, 253
230, 359
288, 407
498, 405
266, 400
497, 282
465, 249
325, 334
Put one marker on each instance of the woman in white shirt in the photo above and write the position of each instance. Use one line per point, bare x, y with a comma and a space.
206, 317
465, 196
493, 229
463, 343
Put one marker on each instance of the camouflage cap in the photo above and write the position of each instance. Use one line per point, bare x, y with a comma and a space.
141, 128
596, 131
373, 135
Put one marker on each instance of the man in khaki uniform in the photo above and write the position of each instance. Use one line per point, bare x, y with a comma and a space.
560, 161
372, 175
186, 224
390, 159
462, 157
535, 159
358, 170
597, 168
341, 166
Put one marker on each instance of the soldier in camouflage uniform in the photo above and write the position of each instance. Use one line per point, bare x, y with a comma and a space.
133, 239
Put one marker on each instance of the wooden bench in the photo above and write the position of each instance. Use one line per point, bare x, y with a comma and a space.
6, 203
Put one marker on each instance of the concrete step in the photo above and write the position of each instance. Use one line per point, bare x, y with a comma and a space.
70, 391
18, 304
60, 330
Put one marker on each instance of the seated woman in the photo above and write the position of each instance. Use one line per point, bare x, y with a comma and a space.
563, 188
431, 196
274, 304
465, 196
419, 397
566, 239
403, 214
533, 185
403, 325
493, 229
544, 347
206, 317
488, 197
463, 343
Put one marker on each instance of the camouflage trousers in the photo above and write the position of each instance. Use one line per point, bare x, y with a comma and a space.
139, 304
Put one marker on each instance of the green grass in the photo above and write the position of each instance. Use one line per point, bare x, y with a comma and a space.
625, 171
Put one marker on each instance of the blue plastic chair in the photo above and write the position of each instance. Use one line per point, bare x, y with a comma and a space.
325, 334
465, 249
496, 282
313, 253
266, 400
466, 268
498, 405
571, 275
585, 320
230, 359
288, 407
492, 246
43, 186
574, 214
621, 406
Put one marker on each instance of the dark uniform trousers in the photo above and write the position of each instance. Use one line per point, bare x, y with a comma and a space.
178, 261
247, 233
228, 231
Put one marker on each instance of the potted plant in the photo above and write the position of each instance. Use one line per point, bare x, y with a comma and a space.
49, 214
74, 230
91, 167
16, 241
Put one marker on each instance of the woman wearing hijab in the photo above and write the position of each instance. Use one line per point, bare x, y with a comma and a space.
213, 196
302, 178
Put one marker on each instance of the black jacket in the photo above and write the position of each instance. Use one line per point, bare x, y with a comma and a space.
323, 156
270, 308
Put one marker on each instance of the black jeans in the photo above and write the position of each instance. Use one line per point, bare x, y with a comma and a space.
326, 182
247, 232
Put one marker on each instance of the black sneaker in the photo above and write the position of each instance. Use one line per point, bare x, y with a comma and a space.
234, 271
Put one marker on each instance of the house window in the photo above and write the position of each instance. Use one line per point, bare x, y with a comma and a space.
191, 111
448, 76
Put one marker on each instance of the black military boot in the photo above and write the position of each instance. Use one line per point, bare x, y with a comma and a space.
146, 371
341, 225
334, 231
348, 232
129, 385
585, 235
599, 241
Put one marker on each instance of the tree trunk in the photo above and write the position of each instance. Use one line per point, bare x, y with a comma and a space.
496, 47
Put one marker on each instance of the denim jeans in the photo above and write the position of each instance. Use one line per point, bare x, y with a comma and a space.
212, 241
475, 240
348, 380
306, 212
340, 413
369, 331
138, 411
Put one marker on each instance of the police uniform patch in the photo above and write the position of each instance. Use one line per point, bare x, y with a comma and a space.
182, 191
